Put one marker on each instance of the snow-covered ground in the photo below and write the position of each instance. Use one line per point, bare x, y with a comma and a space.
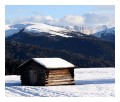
91, 82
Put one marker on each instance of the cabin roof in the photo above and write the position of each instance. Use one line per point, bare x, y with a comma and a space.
52, 63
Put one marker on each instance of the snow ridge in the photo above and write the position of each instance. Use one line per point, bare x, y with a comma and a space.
54, 30
36, 28
105, 32
12, 29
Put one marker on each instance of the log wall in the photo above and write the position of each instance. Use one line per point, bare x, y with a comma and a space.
59, 76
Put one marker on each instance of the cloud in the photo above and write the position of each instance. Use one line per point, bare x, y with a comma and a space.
72, 20
38, 19
99, 19
15, 20
86, 19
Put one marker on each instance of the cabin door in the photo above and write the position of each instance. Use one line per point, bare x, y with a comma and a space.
33, 77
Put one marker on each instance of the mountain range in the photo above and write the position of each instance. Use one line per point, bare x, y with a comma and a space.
28, 40
63, 31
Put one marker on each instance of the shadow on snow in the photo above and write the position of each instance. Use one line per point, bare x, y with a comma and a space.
15, 83
77, 82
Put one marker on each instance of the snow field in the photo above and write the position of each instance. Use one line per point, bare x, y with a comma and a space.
91, 82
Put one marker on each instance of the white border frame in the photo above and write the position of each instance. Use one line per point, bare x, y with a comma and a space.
60, 2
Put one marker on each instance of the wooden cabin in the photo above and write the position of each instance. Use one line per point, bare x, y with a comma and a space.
47, 71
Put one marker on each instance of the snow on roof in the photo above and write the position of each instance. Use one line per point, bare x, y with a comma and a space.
53, 62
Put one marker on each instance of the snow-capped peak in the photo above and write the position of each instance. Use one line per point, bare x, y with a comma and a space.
40, 27
100, 28
35, 28
12, 29
105, 32
85, 29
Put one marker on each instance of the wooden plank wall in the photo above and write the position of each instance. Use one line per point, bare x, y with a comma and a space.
25, 77
59, 77
25, 74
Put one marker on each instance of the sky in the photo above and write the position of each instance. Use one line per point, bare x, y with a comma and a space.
61, 14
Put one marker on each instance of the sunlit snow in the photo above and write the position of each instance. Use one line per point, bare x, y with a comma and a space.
35, 28
91, 82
